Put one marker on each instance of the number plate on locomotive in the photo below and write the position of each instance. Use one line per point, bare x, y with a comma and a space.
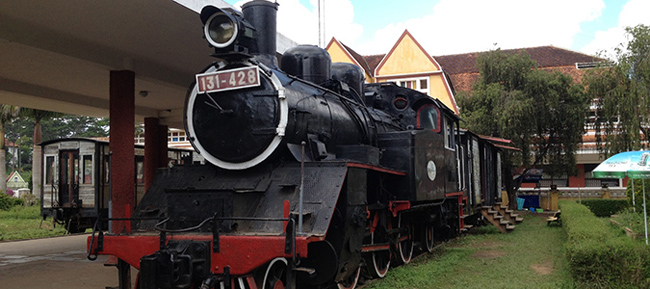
228, 79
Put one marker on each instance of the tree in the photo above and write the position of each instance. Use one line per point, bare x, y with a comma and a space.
621, 94
37, 152
7, 112
542, 112
75, 126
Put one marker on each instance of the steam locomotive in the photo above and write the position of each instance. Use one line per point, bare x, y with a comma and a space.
313, 178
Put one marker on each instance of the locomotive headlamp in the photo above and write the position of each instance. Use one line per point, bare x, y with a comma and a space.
220, 30
226, 30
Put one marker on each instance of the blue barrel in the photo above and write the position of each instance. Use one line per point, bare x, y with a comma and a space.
520, 204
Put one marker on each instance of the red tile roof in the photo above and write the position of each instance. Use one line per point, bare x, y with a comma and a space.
374, 60
463, 72
546, 56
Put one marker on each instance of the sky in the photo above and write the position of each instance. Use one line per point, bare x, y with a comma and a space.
445, 27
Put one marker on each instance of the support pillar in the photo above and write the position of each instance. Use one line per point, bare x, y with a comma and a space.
151, 150
122, 134
163, 158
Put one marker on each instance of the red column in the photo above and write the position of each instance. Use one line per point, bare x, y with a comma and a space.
122, 134
163, 159
151, 150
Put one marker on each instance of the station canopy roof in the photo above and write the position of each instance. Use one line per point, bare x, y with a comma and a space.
57, 55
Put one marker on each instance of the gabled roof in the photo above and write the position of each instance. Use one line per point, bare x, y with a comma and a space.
362, 61
397, 44
15, 178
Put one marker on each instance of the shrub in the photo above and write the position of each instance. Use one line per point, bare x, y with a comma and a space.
631, 219
638, 193
605, 208
599, 256
29, 199
7, 202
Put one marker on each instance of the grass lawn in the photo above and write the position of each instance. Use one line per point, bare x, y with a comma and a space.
532, 256
25, 223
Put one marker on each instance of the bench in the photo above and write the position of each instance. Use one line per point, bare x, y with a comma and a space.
554, 218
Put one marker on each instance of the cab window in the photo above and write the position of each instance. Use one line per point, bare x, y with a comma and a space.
450, 133
429, 117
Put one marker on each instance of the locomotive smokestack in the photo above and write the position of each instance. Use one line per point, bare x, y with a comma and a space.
262, 15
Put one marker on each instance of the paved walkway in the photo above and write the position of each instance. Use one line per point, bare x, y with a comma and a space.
58, 262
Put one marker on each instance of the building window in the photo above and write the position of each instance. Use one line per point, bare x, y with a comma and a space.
420, 84
424, 84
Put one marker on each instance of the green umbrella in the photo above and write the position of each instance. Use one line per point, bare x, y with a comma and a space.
617, 166
635, 165
640, 166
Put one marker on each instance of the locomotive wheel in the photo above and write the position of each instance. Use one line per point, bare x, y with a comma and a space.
351, 282
275, 276
405, 242
380, 260
429, 238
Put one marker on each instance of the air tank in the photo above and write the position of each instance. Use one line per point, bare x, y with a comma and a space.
307, 62
351, 75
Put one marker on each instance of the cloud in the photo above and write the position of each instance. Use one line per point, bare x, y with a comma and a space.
456, 26
452, 26
300, 23
634, 12
339, 21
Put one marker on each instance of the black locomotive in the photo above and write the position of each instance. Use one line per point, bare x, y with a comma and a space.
314, 176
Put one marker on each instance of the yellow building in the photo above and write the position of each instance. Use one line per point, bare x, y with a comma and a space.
406, 64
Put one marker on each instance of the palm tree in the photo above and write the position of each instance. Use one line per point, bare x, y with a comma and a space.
7, 113
37, 151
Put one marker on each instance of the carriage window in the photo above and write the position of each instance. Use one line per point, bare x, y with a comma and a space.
88, 169
449, 134
429, 117
107, 170
50, 169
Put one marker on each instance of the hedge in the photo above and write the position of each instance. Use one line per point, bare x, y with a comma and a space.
7, 202
599, 256
604, 207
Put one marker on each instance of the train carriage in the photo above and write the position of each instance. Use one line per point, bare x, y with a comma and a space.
76, 180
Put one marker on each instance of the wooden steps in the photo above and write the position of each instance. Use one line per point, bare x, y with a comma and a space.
509, 215
497, 219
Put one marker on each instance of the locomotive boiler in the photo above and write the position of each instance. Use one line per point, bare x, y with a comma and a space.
313, 176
